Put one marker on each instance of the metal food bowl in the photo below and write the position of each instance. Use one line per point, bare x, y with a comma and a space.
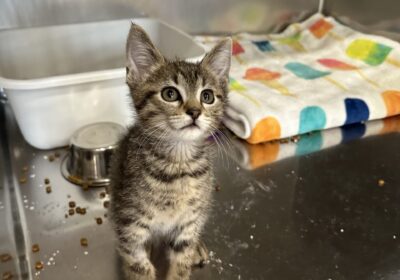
88, 161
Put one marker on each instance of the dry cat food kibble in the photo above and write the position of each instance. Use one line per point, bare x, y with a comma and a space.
84, 242
106, 204
5, 257
217, 188
71, 212
72, 204
35, 248
7, 275
80, 210
51, 158
102, 195
99, 221
48, 189
39, 265
22, 180
47, 181
381, 182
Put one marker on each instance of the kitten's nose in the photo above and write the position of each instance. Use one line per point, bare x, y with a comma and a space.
193, 112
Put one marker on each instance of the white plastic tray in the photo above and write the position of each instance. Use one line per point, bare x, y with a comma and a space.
60, 78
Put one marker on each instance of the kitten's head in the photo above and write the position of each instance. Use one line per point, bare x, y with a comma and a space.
177, 100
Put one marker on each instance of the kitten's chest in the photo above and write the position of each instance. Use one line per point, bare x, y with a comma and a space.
179, 207
170, 214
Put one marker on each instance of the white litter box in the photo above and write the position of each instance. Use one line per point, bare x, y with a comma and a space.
60, 78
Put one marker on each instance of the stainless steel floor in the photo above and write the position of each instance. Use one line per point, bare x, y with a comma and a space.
316, 216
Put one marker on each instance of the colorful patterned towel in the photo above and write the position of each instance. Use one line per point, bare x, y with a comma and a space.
315, 75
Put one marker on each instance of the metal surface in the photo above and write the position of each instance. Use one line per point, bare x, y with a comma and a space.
89, 158
366, 12
376, 17
12, 238
206, 16
318, 216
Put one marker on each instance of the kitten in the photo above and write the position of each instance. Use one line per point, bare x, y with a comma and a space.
162, 177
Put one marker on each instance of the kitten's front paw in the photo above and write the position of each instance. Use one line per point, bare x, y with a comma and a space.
200, 257
139, 271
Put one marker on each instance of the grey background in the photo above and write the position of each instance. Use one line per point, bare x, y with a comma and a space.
194, 16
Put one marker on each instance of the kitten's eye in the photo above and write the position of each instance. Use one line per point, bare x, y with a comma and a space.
207, 96
170, 94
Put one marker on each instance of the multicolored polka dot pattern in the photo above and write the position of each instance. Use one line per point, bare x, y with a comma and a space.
315, 75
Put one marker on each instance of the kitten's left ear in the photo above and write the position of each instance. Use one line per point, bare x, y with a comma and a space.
218, 60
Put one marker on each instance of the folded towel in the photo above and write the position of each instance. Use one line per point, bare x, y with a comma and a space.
315, 75
252, 156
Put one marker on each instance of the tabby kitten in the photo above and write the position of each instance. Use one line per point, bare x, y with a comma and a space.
161, 178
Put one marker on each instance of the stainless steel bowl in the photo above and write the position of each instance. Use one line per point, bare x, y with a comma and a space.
88, 161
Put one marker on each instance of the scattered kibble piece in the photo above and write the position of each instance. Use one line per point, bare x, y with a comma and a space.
106, 204
71, 212
68, 196
99, 221
7, 275
84, 242
39, 265
66, 216
22, 180
5, 257
80, 210
51, 158
381, 182
35, 248
72, 204
102, 195
217, 188
47, 181
48, 189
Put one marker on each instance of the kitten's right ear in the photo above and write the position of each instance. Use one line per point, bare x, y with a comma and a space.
141, 54
218, 60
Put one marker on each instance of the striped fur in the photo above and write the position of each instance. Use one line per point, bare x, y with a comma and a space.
161, 174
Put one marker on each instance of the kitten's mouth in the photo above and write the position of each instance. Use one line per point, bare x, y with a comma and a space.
190, 126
